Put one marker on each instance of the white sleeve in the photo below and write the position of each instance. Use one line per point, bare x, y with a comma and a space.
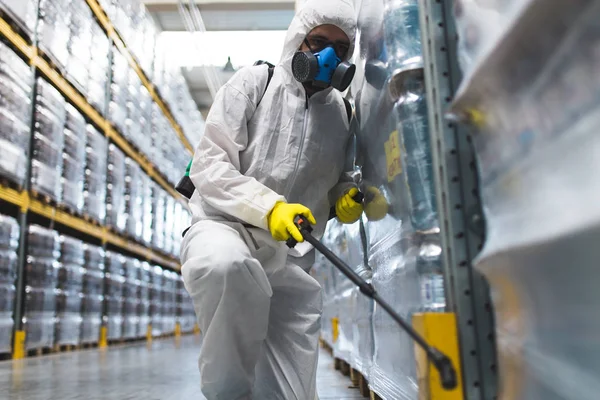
215, 168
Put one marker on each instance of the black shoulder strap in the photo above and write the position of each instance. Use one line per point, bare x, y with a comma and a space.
269, 77
348, 109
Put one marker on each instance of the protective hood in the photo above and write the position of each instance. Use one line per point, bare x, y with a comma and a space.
313, 13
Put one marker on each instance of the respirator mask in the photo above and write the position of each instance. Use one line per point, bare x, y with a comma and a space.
324, 67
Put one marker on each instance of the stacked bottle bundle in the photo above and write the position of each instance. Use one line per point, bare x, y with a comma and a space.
159, 197
25, 12
139, 117
156, 299
144, 306
147, 207
91, 310
73, 170
184, 108
402, 33
186, 315
115, 189
159, 138
69, 290
98, 68
41, 271
79, 45
16, 79
114, 281
94, 193
169, 224
131, 298
53, 30
119, 91
9, 242
48, 138
134, 202
169, 301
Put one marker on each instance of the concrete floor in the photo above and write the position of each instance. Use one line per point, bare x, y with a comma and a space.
164, 370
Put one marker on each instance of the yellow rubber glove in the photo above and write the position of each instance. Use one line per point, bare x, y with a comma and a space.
281, 221
376, 206
347, 210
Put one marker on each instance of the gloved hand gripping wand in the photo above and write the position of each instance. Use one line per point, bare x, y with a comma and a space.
441, 361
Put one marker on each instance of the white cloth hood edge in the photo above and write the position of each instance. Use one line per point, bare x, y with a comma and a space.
313, 13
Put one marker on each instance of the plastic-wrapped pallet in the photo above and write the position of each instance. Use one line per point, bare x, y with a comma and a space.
114, 280
24, 11
80, 43
73, 171
93, 297
16, 79
147, 207
98, 68
119, 92
9, 242
537, 152
156, 300
53, 29
159, 197
169, 224
69, 292
41, 271
144, 306
94, 193
115, 189
48, 139
134, 202
131, 295
169, 306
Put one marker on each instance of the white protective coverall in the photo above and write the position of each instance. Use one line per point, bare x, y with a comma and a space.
258, 308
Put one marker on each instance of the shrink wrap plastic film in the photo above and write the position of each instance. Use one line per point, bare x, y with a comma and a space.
48, 139
41, 273
114, 279
94, 193
9, 241
91, 310
73, 171
23, 11
16, 79
156, 296
131, 295
401, 227
537, 152
69, 291
134, 202
146, 274
115, 189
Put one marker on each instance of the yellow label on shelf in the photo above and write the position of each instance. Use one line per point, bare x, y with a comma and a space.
19, 346
149, 333
335, 328
103, 337
177, 329
393, 156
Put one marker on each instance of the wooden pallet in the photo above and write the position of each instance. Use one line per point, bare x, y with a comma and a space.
64, 348
5, 356
42, 351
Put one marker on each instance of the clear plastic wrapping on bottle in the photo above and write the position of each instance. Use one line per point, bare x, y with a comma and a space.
131, 295
53, 30
69, 290
48, 139
402, 33
94, 193
147, 207
80, 44
156, 299
114, 279
9, 241
158, 216
146, 275
24, 12
41, 272
115, 189
91, 310
134, 202
73, 171
15, 114
98, 68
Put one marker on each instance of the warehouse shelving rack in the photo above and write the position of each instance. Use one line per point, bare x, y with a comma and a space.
28, 205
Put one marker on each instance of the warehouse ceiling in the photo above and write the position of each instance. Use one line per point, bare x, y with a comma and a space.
243, 30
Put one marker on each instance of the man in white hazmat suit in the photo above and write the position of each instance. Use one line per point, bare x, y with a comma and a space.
265, 157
